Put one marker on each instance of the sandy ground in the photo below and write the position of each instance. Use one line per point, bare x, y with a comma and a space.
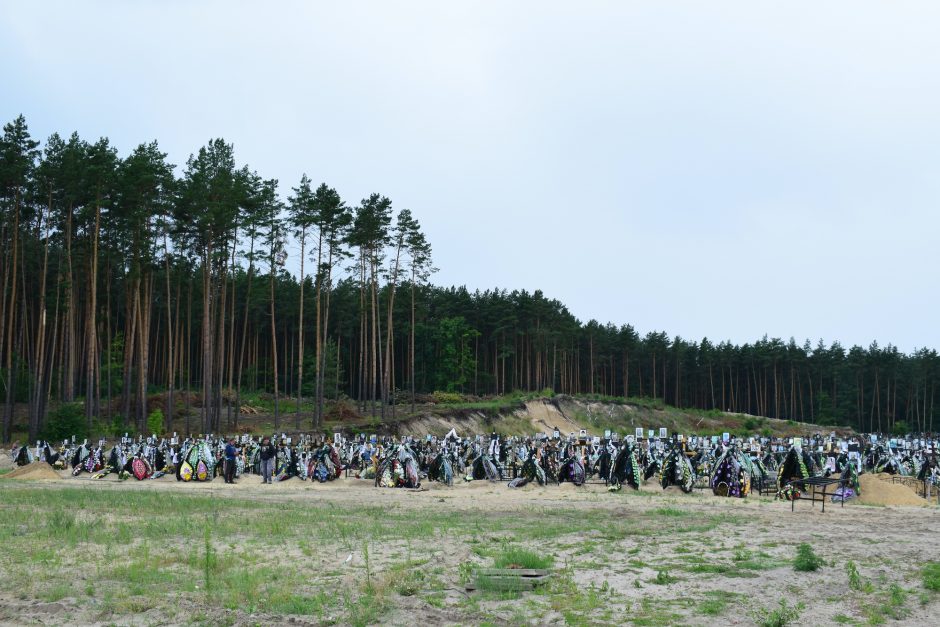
889, 543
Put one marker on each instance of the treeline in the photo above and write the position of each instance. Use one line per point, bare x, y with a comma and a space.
122, 279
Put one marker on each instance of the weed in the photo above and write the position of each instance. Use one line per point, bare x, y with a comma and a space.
464, 571
896, 605
806, 559
856, 581
930, 575
713, 607
663, 578
742, 555
784, 614
209, 558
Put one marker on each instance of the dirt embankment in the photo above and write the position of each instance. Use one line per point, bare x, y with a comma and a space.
569, 415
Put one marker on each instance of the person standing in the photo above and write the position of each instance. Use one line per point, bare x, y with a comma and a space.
230, 453
267, 455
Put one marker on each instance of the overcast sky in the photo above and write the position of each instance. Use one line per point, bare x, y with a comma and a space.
721, 169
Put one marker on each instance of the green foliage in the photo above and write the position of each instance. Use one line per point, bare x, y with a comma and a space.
115, 429
856, 581
480, 342
112, 367
464, 571
455, 340
155, 422
890, 604
66, 420
330, 371
672, 512
446, 398
900, 428
60, 522
663, 578
515, 557
930, 576
751, 424
806, 559
784, 614
715, 605
209, 562
23, 384
896, 607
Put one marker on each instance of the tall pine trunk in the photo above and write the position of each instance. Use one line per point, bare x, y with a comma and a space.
91, 325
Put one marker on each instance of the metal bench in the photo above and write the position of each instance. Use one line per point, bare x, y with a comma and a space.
820, 490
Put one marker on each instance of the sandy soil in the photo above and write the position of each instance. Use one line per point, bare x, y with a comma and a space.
887, 542
546, 418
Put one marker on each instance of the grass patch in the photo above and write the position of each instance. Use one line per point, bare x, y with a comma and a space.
57, 592
721, 569
930, 576
515, 557
716, 603
671, 512
663, 578
209, 552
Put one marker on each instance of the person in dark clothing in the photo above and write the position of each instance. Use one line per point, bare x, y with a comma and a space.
267, 454
230, 453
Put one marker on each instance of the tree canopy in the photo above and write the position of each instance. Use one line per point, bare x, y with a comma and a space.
121, 279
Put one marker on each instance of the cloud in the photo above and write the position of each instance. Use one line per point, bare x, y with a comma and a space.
723, 170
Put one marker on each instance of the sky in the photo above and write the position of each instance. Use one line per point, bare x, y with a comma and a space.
723, 170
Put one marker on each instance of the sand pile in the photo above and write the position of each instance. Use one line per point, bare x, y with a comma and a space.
878, 490
37, 471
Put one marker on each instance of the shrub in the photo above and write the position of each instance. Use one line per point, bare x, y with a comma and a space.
446, 397
155, 422
65, 421
806, 560
751, 424
115, 429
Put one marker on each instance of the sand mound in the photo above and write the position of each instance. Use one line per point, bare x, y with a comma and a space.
878, 490
37, 471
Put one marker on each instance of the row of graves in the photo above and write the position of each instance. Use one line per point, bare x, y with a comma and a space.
192, 459
817, 467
